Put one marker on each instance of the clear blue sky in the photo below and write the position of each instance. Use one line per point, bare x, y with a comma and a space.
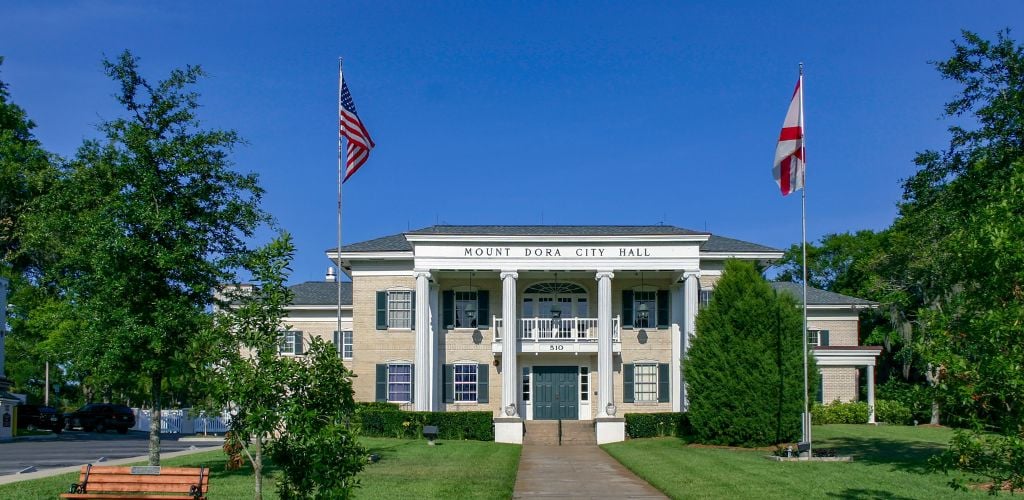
527, 113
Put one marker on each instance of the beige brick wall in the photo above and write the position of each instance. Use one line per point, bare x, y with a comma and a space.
839, 383
372, 346
842, 332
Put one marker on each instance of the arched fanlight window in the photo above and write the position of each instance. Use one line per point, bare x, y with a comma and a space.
555, 288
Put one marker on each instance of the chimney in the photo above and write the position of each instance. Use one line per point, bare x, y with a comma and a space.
331, 277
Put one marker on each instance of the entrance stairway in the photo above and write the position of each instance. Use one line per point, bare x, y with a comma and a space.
574, 432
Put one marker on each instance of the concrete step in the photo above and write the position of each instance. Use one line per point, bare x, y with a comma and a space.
574, 432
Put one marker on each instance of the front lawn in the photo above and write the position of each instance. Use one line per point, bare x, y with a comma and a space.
889, 462
407, 469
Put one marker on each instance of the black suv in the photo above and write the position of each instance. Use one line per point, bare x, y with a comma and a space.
102, 416
33, 417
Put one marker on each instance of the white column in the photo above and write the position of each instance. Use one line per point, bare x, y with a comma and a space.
676, 385
604, 342
691, 287
871, 393
424, 372
435, 360
509, 380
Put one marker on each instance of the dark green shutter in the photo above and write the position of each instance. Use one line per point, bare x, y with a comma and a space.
663, 385
627, 382
449, 383
412, 310
382, 310
412, 383
823, 338
448, 309
662, 308
337, 342
821, 388
482, 375
627, 309
298, 343
483, 308
382, 382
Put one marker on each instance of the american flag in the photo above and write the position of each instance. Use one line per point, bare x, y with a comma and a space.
352, 128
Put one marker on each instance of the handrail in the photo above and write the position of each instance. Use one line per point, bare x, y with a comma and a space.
550, 329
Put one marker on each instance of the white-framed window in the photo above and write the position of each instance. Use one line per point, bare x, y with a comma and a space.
584, 383
463, 301
650, 299
814, 338
705, 297
399, 382
645, 382
526, 383
465, 382
400, 309
290, 343
346, 344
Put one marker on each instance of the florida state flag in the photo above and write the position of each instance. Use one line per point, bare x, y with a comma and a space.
790, 163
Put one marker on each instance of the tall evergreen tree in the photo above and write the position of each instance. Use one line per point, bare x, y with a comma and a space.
745, 368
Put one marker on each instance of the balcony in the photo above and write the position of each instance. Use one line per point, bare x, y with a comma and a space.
564, 335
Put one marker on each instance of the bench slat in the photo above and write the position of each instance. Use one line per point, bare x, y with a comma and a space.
121, 478
164, 471
123, 497
155, 487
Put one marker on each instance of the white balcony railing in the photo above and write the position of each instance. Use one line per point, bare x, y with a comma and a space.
555, 330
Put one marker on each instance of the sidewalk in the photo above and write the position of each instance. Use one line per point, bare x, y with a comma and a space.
576, 472
14, 478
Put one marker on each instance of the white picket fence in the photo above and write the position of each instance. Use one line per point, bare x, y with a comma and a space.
181, 422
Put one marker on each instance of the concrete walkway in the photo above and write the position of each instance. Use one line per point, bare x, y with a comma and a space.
576, 472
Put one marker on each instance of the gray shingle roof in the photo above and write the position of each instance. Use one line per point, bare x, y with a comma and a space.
819, 297
321, 293
398, 242
728, 245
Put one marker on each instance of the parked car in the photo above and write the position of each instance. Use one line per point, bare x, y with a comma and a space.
32, 417
102, 416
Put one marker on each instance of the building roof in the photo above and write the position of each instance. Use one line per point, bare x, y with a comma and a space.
819, 297
321, 293
398, 242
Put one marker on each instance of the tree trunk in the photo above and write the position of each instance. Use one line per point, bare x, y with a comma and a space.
932, 374
935, 412
154, 422
257, 467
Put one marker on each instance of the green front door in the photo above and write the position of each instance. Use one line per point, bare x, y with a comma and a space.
556, 395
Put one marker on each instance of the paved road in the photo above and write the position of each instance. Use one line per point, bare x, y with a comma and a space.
77, 448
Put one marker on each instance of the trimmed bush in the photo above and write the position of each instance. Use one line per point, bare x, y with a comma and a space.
915, 397
376, 405
892, 412
745, 369
645, 425
855, 412
456, 425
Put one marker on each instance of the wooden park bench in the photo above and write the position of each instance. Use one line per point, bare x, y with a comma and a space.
163, 483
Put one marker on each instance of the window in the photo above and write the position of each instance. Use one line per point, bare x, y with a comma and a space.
400, 383
291, 343
464, 301
705, 297
465, 382
645, 383
650, 300
814, 338
584, 383
400, 309
343, 343
526, 383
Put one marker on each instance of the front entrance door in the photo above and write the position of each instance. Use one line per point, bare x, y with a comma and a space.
556, 395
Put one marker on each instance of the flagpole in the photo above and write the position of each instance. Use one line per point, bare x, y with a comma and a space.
803, 239
341, 160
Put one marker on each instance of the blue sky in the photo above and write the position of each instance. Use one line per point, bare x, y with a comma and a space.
527, 113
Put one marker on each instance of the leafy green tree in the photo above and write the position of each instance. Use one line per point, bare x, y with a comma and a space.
255, 377
750, 344
147, 222
318, 454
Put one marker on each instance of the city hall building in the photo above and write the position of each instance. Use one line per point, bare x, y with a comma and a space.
544, 322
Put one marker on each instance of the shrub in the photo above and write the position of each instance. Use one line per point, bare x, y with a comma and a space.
376, 405
836, 412
644, 425
999, 459
745, 369
916, 397
892, 412
388, 422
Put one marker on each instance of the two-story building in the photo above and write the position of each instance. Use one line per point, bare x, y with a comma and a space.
543, 322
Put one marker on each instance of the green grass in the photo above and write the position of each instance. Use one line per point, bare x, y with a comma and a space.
889, 462
407, 469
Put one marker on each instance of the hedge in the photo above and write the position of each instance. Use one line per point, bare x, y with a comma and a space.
890, 412
893, 412
644, 425
387, 422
